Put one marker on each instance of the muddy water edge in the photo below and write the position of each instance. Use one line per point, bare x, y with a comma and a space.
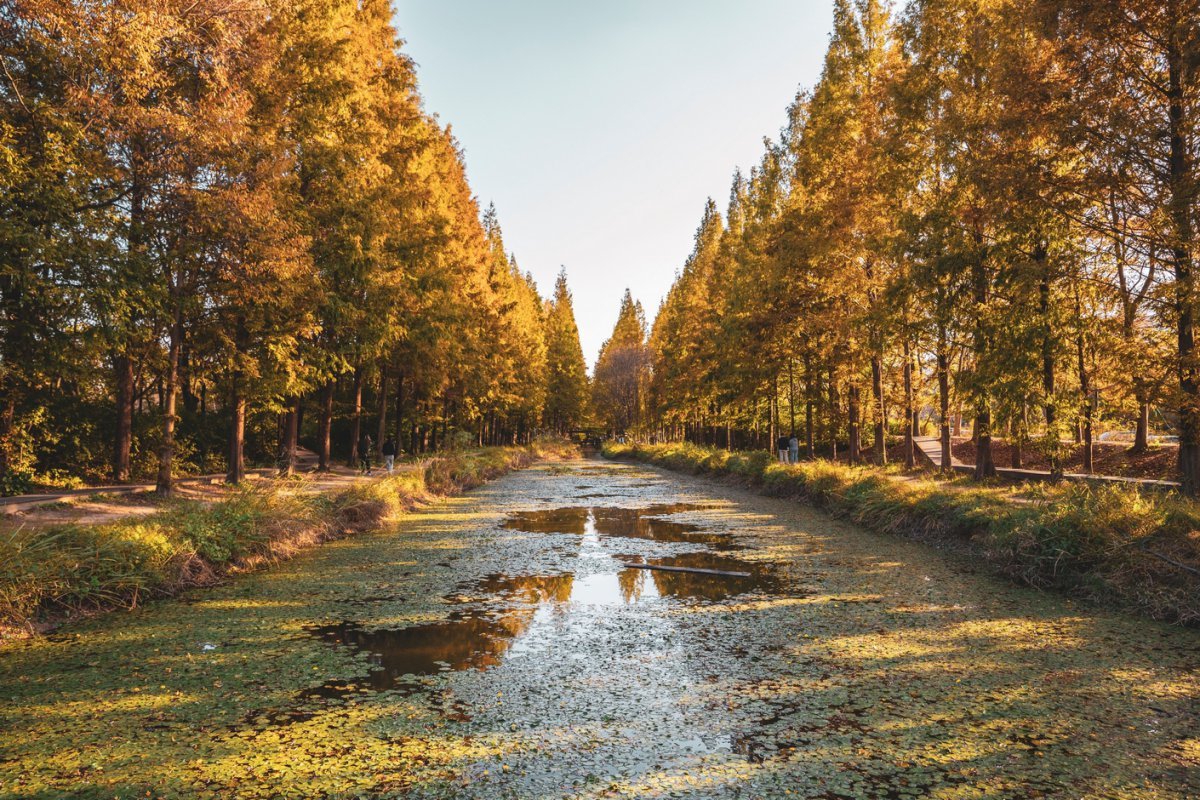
510, 643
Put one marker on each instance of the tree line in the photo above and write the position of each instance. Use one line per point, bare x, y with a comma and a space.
228, 226
986, 206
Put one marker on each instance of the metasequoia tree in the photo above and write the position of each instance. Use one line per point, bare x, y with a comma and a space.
622, 371
566, 370
984, 212
230, 229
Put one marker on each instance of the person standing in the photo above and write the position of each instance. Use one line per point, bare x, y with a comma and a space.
389, 454
794, 449
364, 454
782, 445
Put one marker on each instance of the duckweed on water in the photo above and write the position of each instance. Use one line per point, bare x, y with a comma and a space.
874, 668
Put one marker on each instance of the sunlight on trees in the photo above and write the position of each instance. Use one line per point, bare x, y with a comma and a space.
232, 228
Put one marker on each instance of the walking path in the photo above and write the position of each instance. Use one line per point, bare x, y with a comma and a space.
97, 505
499, 646
930, 449
306, 461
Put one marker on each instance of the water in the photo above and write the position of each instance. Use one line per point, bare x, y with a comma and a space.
501, 607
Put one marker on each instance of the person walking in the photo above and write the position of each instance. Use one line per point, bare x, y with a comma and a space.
794, 449
782, 445
364, 454
389, 454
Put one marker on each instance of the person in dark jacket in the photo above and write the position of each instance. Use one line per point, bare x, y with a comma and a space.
364, 454
389, 454
782, 445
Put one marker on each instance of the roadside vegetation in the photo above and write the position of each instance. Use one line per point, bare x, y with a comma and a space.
1113, 544
57, 571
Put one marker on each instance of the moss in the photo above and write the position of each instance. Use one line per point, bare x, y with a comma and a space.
1105, 543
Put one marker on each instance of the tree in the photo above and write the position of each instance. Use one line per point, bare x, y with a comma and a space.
622, 371
566, 371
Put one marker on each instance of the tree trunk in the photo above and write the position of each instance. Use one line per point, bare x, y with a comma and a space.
854, 418
982, 424
164, 486
985, 467
8, 418
123, 439
791, 396
1182, 196
1048, 377
1085, 389
1017, 436
356, 427
381, 430
910, 455
291, 432
810, 390
398, 425
773, 432
943, 375
325, 436
235, 470
1141, 436
880, 411
833, 415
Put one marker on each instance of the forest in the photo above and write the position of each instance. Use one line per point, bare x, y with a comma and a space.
228, 227
982, 211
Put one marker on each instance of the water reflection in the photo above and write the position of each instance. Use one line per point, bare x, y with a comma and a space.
497, 609
699, 586
630, 523
464, 641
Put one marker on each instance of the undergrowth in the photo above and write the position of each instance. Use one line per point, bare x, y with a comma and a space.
65, 569
1109, 543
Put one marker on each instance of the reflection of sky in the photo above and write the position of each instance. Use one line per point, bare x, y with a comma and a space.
599, 129
615, 584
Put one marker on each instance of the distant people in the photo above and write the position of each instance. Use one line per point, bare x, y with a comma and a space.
364, 454
794, 449
389, 454
782, 444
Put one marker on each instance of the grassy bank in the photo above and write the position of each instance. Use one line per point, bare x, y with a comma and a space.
1112, 544
61, 570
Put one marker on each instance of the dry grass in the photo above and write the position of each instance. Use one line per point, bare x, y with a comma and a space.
1113, 544
49, 572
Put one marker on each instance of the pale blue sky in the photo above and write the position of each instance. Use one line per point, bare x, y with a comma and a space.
599, 128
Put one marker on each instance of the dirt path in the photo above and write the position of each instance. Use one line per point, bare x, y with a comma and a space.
499, 646
99, 506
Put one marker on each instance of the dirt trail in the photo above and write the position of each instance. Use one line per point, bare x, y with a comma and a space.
98, 507
499, 645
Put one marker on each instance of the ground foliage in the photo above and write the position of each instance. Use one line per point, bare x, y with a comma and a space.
1091, 541
880, 669
61, 569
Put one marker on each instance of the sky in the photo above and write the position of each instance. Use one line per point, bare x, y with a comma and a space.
598, 129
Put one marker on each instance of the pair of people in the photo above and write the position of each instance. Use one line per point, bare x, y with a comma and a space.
367, 446
789, 449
